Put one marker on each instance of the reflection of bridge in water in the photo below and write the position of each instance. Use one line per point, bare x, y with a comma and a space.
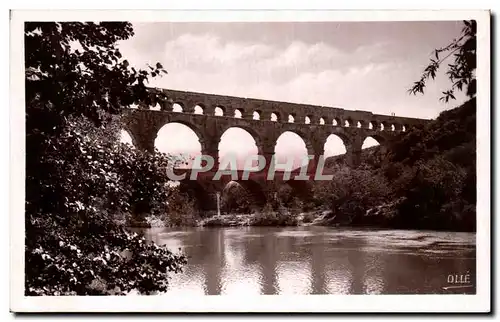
265, 121
310, 260
266, 265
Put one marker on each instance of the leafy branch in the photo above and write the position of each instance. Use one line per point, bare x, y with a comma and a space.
461, 72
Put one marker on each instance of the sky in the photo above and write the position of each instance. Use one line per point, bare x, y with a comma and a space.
352, 65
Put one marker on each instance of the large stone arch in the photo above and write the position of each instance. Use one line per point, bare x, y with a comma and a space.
126, 129
377, 137
340, 133
341, 137
193, 127
223, 142
309, 149
295, 130
252, 131
257, 194
382, 141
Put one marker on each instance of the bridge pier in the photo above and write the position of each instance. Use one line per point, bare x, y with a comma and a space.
268, 156
353, 152
316, 150
143, 134
214, 154
354, 158
210, 147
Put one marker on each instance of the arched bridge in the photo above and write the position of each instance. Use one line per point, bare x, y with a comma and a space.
264, 120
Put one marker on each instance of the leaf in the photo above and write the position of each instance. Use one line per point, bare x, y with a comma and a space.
433, 73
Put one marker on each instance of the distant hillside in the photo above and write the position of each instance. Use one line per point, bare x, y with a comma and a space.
441, 157
452, 134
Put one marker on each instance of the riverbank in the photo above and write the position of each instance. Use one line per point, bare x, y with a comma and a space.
385, 216
375, 217
240, 220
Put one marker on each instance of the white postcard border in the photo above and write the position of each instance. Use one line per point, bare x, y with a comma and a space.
310, 303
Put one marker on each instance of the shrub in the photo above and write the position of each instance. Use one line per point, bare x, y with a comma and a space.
270, 216
75, 231
180, 210
432, 198
352, 192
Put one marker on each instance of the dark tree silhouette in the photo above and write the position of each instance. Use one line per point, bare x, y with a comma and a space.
79, 182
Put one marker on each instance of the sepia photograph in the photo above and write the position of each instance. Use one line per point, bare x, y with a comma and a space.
176, 161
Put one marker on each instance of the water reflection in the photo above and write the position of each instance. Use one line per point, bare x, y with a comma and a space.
317, 260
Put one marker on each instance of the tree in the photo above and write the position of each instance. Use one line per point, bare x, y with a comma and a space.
80, 182
461, 72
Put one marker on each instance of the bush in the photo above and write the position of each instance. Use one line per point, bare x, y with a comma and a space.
180, 210
75, 230
269, 216
433, 196
116, 261
352, 192
308, 218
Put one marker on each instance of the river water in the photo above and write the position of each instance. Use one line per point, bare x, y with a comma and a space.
320, 260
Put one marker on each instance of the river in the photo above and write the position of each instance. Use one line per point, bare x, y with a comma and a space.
320, 260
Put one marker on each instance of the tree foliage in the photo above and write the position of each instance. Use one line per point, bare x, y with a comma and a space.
352, 192
81, 183
181, 210
426, 181
461, 71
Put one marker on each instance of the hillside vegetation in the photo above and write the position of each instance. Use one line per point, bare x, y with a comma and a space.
426, 179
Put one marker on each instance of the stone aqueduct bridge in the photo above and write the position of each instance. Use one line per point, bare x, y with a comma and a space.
264, 120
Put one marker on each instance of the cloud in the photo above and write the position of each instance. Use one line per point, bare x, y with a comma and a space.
297, 72
207, 53
248, 62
